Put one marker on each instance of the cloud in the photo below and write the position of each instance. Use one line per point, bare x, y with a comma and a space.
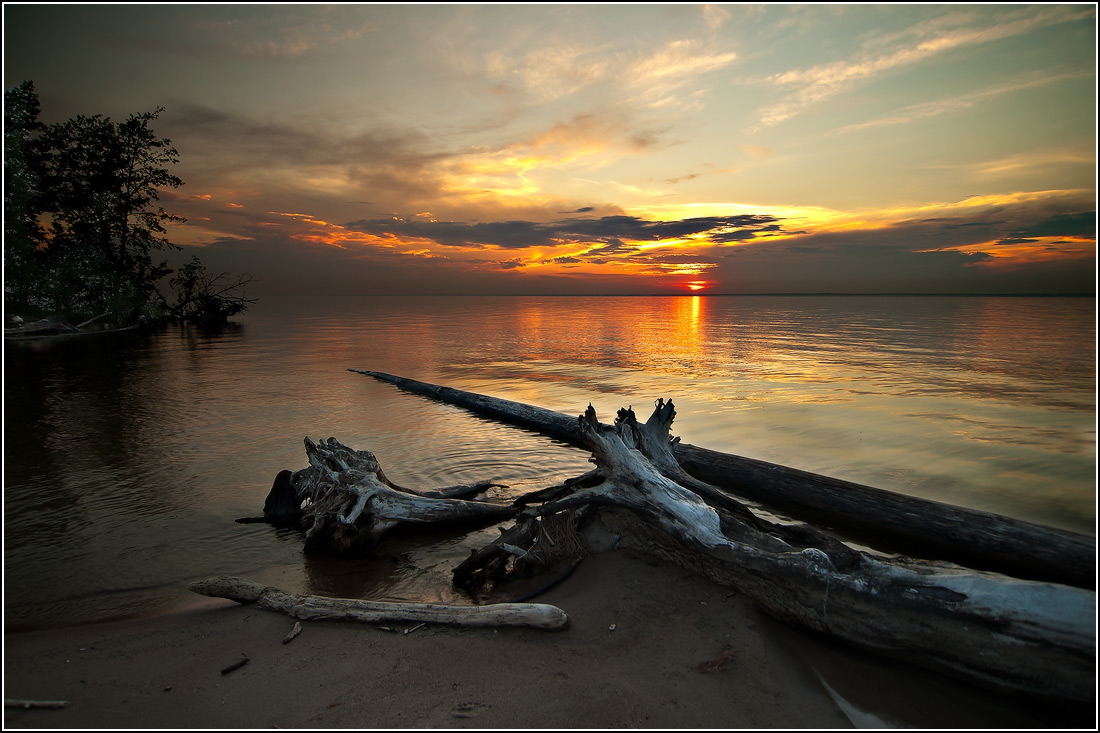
756, 151
742, 235
1029, 163
551, 72
1038, 242
555, 69
1082, 224
925, 110
283, 33
1020, 245
715, 16
811, 86
610, 231
677, 60
613, 247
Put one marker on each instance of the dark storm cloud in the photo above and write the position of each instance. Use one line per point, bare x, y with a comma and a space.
1081, 224
610, 230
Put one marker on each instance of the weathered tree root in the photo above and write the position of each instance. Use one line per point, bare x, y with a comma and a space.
344, 501
315, 608
531, 545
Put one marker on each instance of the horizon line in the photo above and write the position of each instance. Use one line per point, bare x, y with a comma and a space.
688, 295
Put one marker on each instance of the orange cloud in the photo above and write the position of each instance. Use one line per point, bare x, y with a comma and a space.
1014, 253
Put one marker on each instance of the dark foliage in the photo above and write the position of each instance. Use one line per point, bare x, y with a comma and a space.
83, 219
204, 297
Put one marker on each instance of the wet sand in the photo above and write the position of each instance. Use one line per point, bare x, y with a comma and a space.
648, 646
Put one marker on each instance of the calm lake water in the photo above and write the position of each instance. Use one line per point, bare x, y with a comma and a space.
128, 458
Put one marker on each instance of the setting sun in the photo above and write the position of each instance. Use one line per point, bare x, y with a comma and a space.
697, 285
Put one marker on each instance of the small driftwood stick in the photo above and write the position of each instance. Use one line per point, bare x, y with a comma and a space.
312, 608
236, 665
297, 629
28, 704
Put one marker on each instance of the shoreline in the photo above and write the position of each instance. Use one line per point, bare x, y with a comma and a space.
648, 646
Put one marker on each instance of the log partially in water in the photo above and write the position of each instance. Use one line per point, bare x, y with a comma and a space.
1026, 636
1013, 634
317, 608
343, 500
890, 521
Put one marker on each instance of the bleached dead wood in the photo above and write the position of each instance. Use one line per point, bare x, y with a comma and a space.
29, 704
883, 519
1014, 634
343, 499
293, 633
1004, 632
314, 608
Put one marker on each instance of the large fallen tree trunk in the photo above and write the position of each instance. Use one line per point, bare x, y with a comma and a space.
890, 521
1020, 635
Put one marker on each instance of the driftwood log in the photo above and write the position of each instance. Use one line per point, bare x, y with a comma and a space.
343, 500
314, 608
1010, 633
57, 326
882, 519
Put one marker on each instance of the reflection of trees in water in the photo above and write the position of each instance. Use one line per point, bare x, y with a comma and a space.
95, 435
62, 420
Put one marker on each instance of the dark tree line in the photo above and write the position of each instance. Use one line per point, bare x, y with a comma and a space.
83, 223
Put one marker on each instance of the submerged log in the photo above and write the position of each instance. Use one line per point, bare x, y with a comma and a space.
318, 608
883, 519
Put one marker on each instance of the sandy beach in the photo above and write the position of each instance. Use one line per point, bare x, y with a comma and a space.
648, 646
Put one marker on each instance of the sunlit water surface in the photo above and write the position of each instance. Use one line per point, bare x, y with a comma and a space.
128, 458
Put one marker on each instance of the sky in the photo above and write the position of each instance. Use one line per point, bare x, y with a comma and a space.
603, 148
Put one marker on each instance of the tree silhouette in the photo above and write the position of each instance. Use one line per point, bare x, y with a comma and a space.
102, 183
204, 297
83, 218
23, 233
